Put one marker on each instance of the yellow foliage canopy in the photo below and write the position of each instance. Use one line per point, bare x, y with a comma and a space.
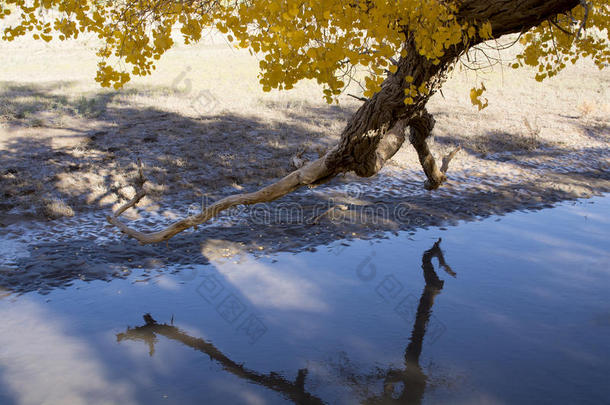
303, 39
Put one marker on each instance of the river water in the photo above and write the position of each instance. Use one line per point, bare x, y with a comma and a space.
511, 309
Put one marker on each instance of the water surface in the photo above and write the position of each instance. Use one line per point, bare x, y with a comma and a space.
507, 310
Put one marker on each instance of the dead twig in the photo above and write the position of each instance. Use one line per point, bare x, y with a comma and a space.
358, 98
310, 173
140, 192
583, 25
341, 207
297, 160
447, 159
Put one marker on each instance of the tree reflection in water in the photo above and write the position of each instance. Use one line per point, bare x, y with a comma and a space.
407, 386
294, 391
401, 386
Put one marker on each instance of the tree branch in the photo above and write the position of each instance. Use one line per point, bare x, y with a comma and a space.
141, 192
448, 157
421, 128
309, 174
363, 99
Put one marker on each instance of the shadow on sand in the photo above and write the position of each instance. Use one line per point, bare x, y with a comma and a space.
193, 160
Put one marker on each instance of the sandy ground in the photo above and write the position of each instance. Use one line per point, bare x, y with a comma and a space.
204, 130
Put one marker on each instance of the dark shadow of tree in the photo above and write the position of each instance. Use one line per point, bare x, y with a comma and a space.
191, 160
183, 154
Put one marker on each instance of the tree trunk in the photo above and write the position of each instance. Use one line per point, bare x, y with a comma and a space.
376, 131
365, 130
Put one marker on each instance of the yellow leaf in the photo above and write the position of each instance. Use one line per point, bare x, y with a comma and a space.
485, 30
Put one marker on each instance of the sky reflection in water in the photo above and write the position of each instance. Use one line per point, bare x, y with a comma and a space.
506, 310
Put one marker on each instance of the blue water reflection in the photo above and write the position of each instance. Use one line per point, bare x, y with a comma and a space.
511, 309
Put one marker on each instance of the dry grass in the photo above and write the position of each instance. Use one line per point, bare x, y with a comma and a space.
55, 208
587, 108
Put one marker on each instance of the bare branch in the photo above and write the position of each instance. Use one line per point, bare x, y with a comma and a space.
307, 175
583, 25
447, 159
421, 129
341, 207
141, 192
297, 160
559, 27
358, 98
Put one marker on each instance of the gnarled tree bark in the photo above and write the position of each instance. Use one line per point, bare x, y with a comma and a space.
376, 131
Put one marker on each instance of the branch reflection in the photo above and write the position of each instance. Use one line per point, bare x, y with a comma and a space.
401, 386
407, 386
295, 391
